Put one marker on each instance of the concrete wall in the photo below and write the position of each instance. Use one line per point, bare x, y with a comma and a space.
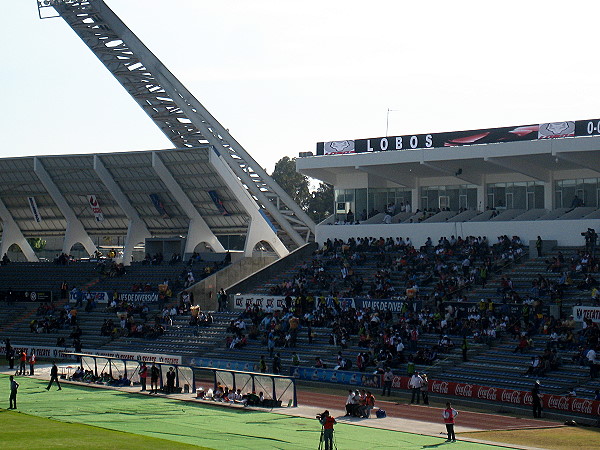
564, 232
205, 292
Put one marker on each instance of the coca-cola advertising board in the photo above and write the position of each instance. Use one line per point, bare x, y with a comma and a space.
515, 397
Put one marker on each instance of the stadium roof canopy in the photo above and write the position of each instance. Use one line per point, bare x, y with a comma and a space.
469, 158
519, 180
135, 194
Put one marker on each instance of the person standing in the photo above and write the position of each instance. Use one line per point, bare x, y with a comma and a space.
464, 347
262, 364
22, 363
536, 400
449, 416
277, 363
143, 375
171, 375
14, 386
10, 354
425, 389
53, 377
591, 357
327, 435
154, 374
32, 361
271, 344
415, 384
538, 246
388, 377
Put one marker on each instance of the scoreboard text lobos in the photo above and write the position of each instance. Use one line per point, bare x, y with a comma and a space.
533, 132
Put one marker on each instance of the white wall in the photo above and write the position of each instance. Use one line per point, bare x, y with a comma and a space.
565, 232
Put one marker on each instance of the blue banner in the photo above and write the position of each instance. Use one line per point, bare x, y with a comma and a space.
214, 195
337, 376
243, 366
160, 207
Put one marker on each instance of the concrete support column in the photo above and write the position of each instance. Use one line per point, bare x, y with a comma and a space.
549, 193
198, 230
136, 230
260, 228
482, 194
11, 234
75, 231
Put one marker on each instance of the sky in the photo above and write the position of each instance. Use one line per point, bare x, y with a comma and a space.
284, 75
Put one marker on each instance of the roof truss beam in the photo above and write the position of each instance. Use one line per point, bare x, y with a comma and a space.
459, 174
524, 168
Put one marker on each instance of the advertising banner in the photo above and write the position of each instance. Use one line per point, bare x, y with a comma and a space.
516, 397
159, 205
277, 302
243, 366
337, 376
34, 209
243, 302
214, 195
381, 305
586, 312
26, 296
99, 297
42, 352
138, 297
96, 208
338, 147
460, 138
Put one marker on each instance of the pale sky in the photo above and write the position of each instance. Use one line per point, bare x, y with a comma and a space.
283, 75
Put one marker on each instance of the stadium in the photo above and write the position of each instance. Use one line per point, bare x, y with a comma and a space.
456, 267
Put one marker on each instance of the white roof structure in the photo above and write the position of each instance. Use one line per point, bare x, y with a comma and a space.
134, 195
470, 182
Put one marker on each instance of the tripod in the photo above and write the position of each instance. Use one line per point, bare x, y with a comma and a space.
322, 440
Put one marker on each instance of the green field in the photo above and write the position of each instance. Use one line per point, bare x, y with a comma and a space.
101, 418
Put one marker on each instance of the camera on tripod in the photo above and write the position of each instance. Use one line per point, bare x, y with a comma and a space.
320, 416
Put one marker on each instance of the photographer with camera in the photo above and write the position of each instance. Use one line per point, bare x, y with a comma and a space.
327, 423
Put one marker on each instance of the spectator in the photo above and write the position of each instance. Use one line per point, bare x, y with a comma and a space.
415, 384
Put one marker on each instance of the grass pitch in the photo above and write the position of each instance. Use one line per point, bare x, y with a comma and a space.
99, 418
549, 438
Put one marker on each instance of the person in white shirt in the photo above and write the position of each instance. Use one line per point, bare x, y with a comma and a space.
591, 357
415, 384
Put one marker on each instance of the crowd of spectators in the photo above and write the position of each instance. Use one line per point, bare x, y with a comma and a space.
439, 277
336, 269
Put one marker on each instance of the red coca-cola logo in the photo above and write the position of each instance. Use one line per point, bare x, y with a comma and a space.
528, 399
511, 397
441, 387
555, 402
581, 405
487, 393
464, 390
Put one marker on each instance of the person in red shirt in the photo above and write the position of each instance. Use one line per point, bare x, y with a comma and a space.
327, 433
449, 415
23, 360
32, 361
143, 372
